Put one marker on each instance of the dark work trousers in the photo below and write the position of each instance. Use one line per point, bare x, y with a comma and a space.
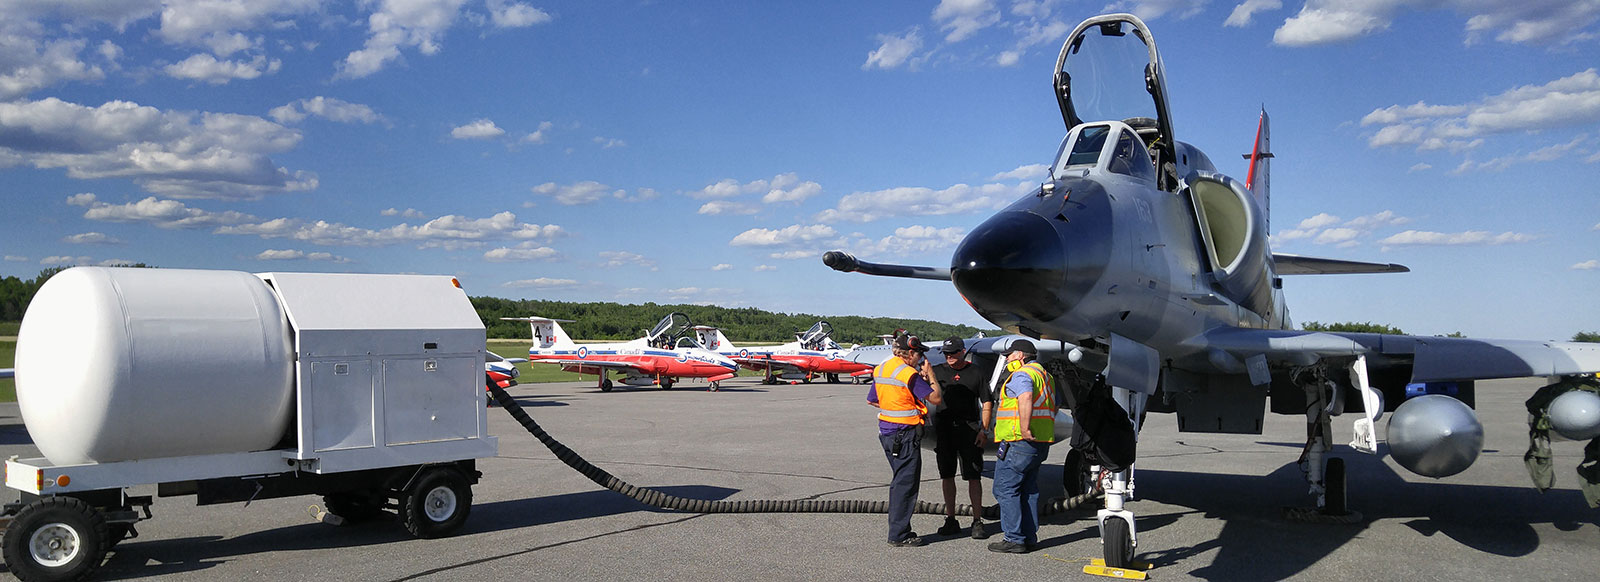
907, 467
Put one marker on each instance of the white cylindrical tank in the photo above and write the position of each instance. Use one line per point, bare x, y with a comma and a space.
123, 364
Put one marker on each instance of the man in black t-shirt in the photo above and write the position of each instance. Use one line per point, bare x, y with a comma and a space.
960, 429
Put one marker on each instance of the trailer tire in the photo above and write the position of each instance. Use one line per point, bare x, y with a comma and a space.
54, 539
353, 506
437, 504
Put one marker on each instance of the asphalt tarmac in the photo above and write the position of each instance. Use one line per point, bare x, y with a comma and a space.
1209, 505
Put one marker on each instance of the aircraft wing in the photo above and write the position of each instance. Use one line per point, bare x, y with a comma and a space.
764, 363
1434, 359
1299, 265
595, 366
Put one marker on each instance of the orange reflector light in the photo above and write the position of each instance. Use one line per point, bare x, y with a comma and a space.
455, 282
63, 481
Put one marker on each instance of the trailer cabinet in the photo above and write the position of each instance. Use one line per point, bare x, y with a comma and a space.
387, 401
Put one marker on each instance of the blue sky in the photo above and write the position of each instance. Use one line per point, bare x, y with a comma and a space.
710, 152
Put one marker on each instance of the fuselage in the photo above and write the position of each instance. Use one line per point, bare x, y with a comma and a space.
827, 361
681, 362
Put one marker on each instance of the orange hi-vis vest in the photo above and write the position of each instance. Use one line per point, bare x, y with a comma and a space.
1007, 425
896, 404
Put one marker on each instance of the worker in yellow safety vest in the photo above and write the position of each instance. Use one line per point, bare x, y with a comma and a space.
1024, 427
902, 388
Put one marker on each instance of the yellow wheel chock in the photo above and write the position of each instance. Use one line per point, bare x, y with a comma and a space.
1135, 570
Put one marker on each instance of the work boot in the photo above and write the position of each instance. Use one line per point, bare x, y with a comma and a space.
1008, 547
950, 527
978, 532
910, 541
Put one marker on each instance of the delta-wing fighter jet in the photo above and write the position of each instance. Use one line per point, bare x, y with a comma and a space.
1141, 265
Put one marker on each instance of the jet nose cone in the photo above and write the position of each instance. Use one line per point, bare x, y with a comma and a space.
1011, 268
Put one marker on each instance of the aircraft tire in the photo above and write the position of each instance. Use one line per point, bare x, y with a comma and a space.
833, 378
666, 383
437, 504
1118, 543
605, 385
1074, 475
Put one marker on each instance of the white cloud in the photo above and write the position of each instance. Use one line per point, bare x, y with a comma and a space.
507, 255
538, 136
761, 268
722, 267
910, 240
795, 254
296, 255
893, 51
478, 129
1571, 101
1510, 21
177, 154
909, 201
396, 25
1241, 15
542, 283
31, 64
789, 235
16, 258
219, 24
589, 191
1471, 237
1153, 9
607, 143
206, 68
449, 232
964, 18
1030, 173
91, 238
326, 108
1588, 265
789, 188
64, 260
615, 259
166, 214
1325, 229
407, 213
716, 207
507, 14
1419, 167
1544, 154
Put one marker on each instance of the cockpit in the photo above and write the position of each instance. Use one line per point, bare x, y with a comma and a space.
1110, 146
686, 342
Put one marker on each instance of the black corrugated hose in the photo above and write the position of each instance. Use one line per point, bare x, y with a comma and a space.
662, 500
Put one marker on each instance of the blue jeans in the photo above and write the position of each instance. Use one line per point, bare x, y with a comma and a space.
1016, 490
907, 467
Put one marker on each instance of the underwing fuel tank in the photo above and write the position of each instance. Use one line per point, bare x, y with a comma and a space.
1576, 415
1435, 436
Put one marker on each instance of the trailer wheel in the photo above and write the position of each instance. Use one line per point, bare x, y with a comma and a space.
437, 504
56, 538
353, 506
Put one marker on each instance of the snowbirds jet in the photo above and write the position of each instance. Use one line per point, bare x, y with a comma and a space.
813, 352
659, 358
1137, 260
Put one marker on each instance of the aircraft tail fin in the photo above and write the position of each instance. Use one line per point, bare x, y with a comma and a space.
1260, 175
547, 333
711, 338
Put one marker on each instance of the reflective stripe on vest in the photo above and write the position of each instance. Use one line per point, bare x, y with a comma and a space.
896, 404
1041, 422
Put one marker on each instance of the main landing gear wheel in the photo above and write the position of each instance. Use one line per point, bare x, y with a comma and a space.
1075, 477
666, 383
55, 538
605, 385
437, 504
714, 386
833, 378
1118, 543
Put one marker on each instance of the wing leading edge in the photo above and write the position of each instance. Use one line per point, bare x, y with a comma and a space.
1299, 265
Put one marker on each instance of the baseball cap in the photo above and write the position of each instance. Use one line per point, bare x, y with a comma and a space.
909, 342
1023, 346
953, 345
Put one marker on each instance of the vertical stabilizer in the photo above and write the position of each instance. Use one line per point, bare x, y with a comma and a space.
547, 333
1260, 178
712, 339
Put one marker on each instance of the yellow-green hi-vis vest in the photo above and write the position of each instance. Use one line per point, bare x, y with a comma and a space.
1042, 423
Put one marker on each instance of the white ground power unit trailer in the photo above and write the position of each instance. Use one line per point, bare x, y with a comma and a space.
365, 389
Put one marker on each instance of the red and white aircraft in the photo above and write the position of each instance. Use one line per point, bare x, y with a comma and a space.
659, 358
812, 353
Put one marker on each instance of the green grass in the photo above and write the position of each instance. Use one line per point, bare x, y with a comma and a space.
508, 348
9, 328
